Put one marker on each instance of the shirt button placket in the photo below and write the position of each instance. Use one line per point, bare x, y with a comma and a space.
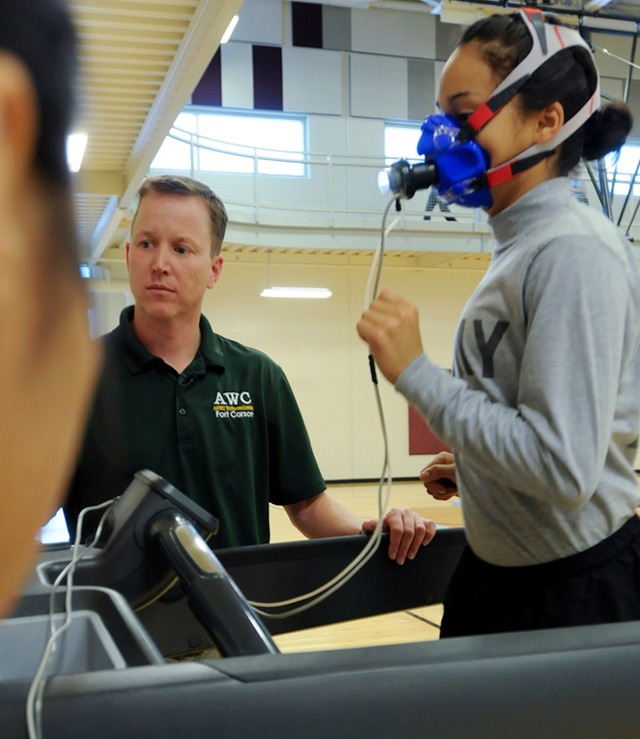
181, 414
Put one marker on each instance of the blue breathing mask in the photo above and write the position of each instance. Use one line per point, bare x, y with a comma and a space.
455, 168
460, 164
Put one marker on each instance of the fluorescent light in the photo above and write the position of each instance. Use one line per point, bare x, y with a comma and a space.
296, 292
230, 29
76, 144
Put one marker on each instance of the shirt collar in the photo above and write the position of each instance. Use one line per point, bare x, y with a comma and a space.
529, 210
137, 357
210, 347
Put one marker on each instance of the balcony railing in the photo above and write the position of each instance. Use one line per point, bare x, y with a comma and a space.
333, 187
318, 190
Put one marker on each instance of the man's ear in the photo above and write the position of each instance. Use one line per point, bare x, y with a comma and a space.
19, 116
126, 254
216, 268
550, 120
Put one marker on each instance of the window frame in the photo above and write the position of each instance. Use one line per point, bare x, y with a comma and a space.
619, 181
258, 151
409, 126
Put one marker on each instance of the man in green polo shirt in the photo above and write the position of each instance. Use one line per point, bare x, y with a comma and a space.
216, 419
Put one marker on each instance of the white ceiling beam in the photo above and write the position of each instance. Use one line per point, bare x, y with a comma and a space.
196, 50
98, 182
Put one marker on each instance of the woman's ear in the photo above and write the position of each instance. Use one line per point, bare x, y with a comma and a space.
19, 116
549, 122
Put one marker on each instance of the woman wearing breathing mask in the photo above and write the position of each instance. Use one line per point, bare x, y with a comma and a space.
542, 410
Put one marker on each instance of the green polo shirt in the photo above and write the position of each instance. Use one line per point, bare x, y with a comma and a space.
227, 432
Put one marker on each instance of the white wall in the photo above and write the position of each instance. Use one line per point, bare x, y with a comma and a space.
316, 343
105, 308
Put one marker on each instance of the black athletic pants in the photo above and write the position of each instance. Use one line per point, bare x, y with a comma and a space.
599, 585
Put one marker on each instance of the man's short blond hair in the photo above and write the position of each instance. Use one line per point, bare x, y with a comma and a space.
188, 187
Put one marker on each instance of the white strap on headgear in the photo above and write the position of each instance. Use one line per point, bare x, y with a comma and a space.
548, 39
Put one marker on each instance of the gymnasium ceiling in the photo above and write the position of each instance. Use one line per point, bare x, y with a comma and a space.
140, 61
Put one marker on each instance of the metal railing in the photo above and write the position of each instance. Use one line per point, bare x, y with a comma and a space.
262, 183
266, 186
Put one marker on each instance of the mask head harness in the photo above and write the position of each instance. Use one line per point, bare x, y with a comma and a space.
455, 163
547, 40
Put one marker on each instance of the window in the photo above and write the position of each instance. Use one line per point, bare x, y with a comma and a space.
621, 169
55, 531
400, 142
237, 143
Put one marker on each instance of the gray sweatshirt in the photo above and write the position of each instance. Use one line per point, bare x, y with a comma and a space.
543, 409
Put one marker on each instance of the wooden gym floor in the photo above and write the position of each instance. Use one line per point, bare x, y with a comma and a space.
420, 624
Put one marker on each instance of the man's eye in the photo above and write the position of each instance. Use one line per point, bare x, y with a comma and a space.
145, 244
180, 249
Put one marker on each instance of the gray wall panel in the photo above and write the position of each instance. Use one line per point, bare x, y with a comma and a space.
260, 22
237, 76
312, 80
420, 88
405, 34
612, 87
634, 104
620, 45
378, 86
447, 38
336, 28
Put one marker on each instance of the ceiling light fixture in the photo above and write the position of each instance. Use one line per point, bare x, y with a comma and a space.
296, 292
230, 29
76, 145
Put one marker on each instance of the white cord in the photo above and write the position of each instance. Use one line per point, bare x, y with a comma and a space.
376, 267
615, 56
36, 690
324, 591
